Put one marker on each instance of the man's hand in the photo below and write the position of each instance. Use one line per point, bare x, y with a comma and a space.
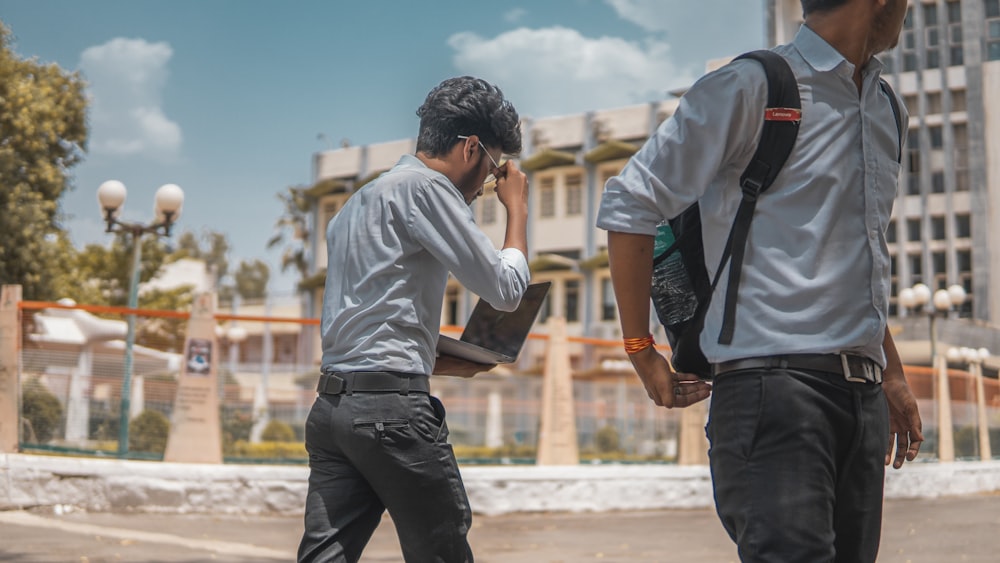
664, 386
450, 365
905, 429
512, 187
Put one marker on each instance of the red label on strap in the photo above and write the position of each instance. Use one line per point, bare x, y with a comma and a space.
782, 114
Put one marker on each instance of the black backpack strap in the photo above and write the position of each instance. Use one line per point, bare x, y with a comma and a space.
781, 127
887, 90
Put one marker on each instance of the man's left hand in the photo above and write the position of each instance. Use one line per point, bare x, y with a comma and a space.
905, 429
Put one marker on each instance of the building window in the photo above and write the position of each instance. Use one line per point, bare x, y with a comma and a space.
993, 30
572, 297
913, 230
963, 226
916, 267
489, 210
937, 136
955, 54
890, 233
964, 261
908, 43
937, 227
958, 100
547, 197
574, 194
608, 306
940, 267
937, 182
934, 102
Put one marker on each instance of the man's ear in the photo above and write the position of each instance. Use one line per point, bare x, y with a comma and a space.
470, 148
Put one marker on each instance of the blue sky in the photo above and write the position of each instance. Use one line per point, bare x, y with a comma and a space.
230, 98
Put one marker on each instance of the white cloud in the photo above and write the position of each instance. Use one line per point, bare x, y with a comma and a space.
651, 15
515, 15
555, 71
126, 78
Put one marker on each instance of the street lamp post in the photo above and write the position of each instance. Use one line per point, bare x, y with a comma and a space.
975, 359
918, 298
168, 201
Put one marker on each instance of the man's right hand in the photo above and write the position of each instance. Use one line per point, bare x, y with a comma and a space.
666, 387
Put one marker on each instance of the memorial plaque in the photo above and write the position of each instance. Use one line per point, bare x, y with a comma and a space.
195, 430
557, 441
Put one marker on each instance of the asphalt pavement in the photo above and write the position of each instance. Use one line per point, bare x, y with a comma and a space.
941, 530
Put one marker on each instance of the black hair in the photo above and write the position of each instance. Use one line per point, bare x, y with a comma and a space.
810, 6
467, 106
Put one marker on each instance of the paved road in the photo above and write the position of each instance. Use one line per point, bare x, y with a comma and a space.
917, 531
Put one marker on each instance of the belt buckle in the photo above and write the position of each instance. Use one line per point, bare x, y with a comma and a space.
872, 373
331, 384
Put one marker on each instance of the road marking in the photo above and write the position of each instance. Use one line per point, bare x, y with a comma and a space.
221, 547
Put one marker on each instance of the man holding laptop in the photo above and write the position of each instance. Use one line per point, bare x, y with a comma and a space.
376, 438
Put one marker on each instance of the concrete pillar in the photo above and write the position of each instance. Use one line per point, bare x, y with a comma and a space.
494, 418
985, 452
78, 405
195, 430
557, 441
10, 388
693, 447
946, 431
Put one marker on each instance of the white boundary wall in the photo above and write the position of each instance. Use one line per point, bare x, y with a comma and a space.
96, 485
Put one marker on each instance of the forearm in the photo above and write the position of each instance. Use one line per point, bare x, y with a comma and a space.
516, 235
893, 365
631, 264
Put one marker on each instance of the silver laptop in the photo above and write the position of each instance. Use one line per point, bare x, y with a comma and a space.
496, 337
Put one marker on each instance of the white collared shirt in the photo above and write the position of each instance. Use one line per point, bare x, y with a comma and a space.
815, 276
389, 251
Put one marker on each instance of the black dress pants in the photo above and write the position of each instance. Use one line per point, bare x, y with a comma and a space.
797, 461
371, 452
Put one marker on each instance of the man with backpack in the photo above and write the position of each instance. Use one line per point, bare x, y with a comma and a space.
808, 393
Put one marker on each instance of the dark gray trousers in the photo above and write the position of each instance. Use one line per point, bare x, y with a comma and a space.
797, 464
371, 452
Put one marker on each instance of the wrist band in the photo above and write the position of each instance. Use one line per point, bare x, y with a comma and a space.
635, 345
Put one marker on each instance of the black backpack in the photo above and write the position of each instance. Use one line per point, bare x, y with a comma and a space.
681, 290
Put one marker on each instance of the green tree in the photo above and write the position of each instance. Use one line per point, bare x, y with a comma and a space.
293, 231
43, 134
251, 279
102, 274
212, 247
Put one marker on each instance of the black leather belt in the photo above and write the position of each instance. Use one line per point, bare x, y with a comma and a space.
858, 369
348, 382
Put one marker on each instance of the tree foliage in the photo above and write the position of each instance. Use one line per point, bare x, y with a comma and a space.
214, 252
43, 133
293, 231
251, 279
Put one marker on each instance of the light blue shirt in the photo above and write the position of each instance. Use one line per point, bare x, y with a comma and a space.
816, 272
389, 253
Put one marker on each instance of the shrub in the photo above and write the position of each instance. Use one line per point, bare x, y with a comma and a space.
607, 440
270, 450
41, 410
278, 431
148, 432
